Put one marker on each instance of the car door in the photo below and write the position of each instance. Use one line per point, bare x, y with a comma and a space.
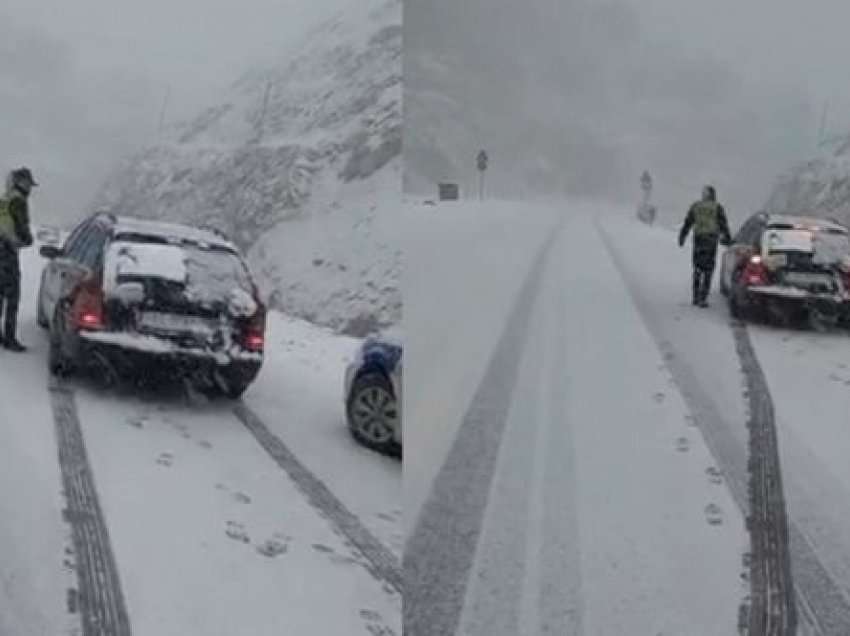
55, 271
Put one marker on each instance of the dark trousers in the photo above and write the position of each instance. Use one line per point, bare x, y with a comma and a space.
705, 257
10, 291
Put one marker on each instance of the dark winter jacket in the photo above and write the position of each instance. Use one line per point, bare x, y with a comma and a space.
15, 229
708, 220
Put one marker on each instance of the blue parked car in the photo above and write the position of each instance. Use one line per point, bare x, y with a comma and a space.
373, 386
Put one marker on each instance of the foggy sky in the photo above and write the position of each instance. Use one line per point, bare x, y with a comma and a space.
83, 83
581, 95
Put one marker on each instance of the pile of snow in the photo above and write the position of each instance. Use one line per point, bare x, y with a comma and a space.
123, 259
310, 143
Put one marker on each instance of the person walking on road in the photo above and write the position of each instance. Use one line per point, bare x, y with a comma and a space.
15, 233
708, 220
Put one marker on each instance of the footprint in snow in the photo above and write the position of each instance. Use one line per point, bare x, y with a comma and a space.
386, 517
713, 514
165, 459
274, 547
683, 445
318, 547
690, 420
205, 444
659, 397
236, 531
241, 497
714, 475
835, 377
138, 422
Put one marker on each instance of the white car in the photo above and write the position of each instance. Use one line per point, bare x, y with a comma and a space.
373, 394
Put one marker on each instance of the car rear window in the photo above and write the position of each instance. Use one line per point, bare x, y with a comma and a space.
206, 274
824, 246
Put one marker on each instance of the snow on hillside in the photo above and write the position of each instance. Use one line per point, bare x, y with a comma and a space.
307, 150
339, 264
820, 186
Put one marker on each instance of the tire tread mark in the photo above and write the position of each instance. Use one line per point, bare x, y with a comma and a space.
381, 562
101, 602
773, 611
440, 550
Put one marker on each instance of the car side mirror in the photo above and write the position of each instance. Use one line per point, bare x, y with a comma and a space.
50, 251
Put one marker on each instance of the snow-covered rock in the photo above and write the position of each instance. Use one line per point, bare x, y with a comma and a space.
286, 149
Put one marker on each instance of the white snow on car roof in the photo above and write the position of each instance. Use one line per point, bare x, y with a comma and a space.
130, 225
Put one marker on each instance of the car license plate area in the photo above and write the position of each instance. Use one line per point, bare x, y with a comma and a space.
166, 323
811, 281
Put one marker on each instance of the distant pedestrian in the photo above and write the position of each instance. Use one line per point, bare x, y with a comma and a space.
708, 220
15, 233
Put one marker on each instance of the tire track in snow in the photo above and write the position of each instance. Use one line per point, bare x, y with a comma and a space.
772, 603
439, 553
822, 606
100, 599
382, 563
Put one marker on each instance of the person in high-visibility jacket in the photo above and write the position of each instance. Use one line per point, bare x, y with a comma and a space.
708, 220
15, 233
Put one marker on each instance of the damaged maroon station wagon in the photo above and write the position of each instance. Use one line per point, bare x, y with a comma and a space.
128, 297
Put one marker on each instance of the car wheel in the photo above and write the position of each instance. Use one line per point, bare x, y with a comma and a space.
40, 318
230, 382
822, 320
57, 362
373, 414
724, 287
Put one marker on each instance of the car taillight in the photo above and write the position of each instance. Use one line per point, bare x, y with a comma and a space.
755, 272
254, 333
87, 308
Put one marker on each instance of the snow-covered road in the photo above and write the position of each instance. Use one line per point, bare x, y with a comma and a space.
573, 492
258, 518
806, 376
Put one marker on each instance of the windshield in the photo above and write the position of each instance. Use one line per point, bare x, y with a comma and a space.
205, 275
